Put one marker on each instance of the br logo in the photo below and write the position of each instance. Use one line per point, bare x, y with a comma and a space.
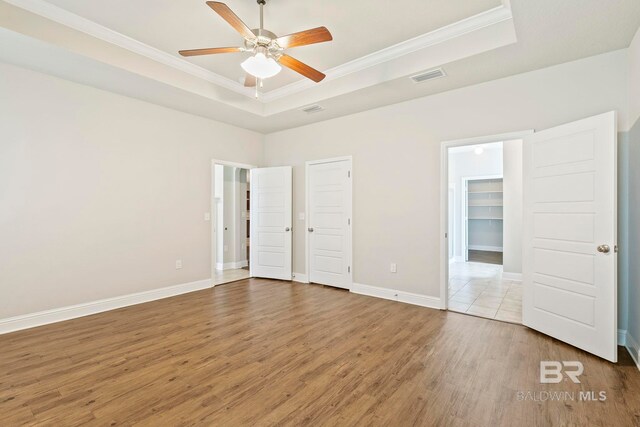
551, 371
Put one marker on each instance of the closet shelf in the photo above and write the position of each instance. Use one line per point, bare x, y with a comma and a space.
486, 192
496, 219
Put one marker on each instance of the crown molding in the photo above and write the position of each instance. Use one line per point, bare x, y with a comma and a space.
77, 22
441, 35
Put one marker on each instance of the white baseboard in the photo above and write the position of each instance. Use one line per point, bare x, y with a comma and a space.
232, 265
633, 347
485, 248
622, 337
32, 320
516, 277
300, 277
395, 295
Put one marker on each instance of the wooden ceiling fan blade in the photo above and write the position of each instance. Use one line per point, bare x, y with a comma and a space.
227, 14
303, 38
301, 68
209, 51
250, 81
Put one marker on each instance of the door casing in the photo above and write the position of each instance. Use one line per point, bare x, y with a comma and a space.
444, 199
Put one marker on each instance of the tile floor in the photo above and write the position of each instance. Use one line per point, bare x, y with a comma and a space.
479, 289
226, 276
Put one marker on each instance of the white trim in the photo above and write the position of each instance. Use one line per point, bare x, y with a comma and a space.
514, 277
349, 251
622, 337
441, 35
212, 208
77, 22
473, 23
395, 295
55, 315
485, 248
632, 347
300, 278
444, 194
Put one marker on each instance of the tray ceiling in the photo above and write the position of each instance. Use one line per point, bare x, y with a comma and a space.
359, 27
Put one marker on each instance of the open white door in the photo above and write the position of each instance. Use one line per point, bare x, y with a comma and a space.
569, 258
270, 207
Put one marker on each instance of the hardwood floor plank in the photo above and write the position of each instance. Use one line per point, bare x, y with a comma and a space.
263, 352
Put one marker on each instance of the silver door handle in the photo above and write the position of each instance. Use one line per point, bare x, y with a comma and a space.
604, 249
310, 230
287, 229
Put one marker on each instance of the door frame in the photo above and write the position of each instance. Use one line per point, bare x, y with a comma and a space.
307, 242
444, 195
212, 208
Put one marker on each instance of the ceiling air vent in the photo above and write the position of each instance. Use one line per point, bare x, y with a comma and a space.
313, 109
428, 75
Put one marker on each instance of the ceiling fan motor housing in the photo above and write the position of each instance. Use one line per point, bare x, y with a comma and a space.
265, 39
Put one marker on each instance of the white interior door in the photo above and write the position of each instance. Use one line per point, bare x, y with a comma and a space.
329, 223
569, 259
270, 212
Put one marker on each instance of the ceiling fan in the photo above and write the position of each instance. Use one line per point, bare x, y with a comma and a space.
267, 49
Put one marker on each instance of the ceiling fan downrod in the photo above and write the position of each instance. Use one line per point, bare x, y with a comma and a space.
262, 3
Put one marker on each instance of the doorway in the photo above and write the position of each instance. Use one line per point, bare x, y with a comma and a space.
567, 176
231, 230
484, 236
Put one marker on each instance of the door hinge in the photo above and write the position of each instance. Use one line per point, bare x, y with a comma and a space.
349, 269
348, 174
445, 235
348, 221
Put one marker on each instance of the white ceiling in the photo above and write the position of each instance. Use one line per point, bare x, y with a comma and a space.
548, 32
359, 27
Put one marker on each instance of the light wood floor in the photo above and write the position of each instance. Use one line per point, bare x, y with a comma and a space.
261, 352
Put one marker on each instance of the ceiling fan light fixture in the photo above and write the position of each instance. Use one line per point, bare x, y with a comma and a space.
261, 66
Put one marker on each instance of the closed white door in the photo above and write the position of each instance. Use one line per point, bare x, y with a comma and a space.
329, 223
270, 213
569, 259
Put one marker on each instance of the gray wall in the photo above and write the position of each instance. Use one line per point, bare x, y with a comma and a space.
632, 236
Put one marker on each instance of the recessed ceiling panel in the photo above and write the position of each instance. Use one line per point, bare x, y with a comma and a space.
359, 27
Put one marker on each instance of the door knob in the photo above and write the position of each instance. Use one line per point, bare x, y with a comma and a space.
287, 229
604, 249
310, 230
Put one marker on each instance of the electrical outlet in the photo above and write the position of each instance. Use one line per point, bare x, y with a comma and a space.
207, 216
394, 267
178, 264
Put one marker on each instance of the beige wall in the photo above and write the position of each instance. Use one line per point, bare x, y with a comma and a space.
100, 194
512, 211
396, 158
